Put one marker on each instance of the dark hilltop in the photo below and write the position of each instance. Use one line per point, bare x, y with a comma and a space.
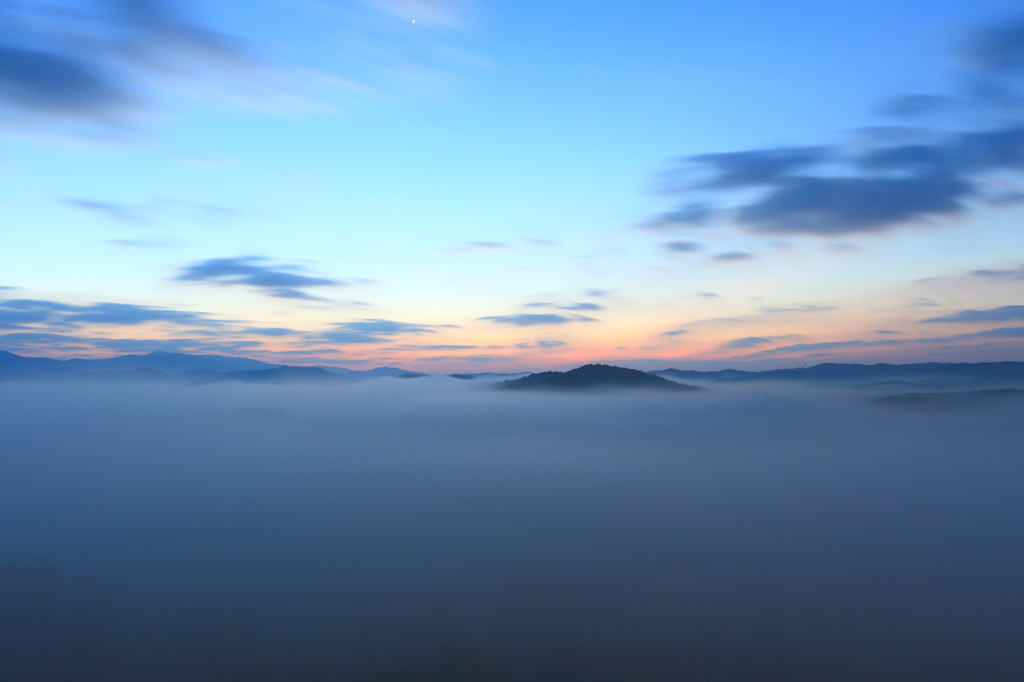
595, 377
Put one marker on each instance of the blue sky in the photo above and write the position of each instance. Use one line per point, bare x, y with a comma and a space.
453, 185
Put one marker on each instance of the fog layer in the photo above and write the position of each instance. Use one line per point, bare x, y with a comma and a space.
443, 530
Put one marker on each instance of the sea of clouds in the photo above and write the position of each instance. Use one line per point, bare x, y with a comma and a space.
431, 529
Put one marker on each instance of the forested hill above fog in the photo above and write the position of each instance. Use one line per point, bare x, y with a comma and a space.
590, 377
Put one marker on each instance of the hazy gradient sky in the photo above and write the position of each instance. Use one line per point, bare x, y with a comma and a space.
492, 185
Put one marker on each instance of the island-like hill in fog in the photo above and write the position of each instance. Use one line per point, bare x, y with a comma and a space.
595, 377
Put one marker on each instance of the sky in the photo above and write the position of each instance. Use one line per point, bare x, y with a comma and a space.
485, 185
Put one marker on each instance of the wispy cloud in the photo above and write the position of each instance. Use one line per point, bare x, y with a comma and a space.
104, 62
43, 339
997, 49
121, 213
532, 319
1000, 333
139, 243
542, 344
481, 358
894, 181
270, 331
747, 342
430, 347
90, 62
21, 313
489, 246
1002, 314
47, 82
564, 306
373, 331
914, 105
808, 308
689, 215
44, 342
733, 256
280, 281
757, 168
121, 313
158, 34
911, 106
681, 246
182, 345
151, 211
1016, 273
798, 349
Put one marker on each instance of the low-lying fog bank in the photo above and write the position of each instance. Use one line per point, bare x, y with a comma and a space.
440, 530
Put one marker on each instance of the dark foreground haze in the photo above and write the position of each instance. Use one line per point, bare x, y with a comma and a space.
438, 530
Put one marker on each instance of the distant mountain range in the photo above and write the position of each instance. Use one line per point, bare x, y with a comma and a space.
591, 377
170, 363
927, 375
202, 369
178, 367
487, 375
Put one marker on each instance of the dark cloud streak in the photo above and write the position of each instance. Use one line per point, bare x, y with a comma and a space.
18, 313
280, 281
747, 342
1000, 274
97, 61
372, 331
733, 170
681, 246
61, 84
565, 306
689, 215
1003, 314
733, 256
997, 49
831, 191
833, 206
908, 106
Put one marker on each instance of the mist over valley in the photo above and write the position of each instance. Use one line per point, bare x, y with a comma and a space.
441, 529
